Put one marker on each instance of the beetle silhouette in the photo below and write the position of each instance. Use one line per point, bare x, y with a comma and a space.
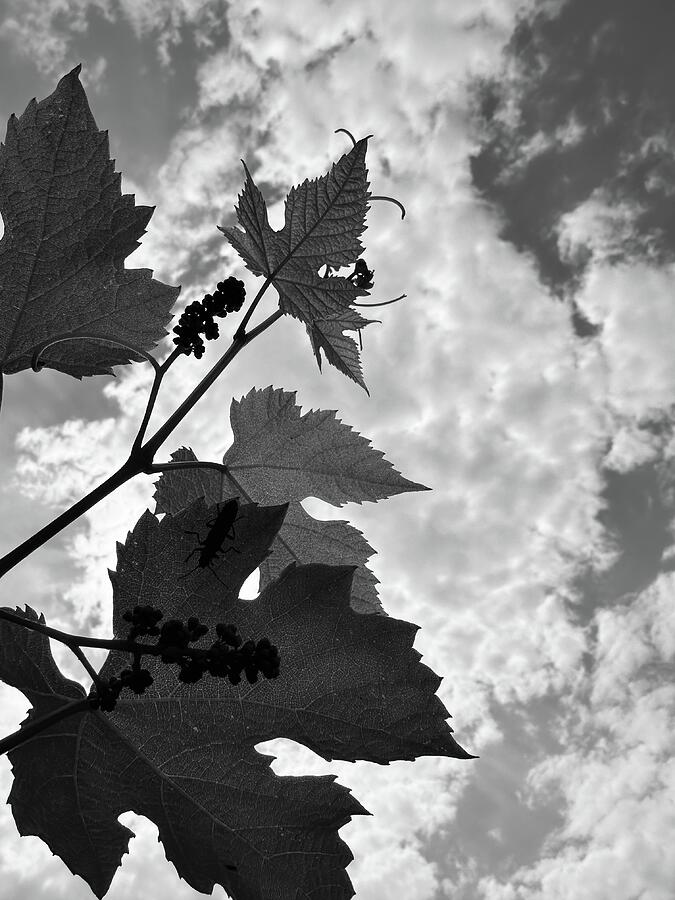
220, 529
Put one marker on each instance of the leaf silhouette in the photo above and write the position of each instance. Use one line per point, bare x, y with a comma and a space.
324, 218
280, 456
68, 229
350, 687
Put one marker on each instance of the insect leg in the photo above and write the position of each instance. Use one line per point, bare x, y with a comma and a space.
192, 552
189, 573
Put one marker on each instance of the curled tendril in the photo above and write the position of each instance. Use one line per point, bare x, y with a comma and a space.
36, 365
348, 133
351, 136
378, 197
391, 200
384, 302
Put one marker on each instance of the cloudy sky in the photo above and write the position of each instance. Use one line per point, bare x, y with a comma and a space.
528, 379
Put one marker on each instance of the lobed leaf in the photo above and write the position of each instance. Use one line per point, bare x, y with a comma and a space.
68, 229
350, 687
324, 218
312, 455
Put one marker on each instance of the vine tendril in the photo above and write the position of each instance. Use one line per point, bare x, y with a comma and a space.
36, 365
378, 197
384, 302
348, 133
391, 200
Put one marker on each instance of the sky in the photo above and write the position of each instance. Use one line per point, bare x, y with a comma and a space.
528, 379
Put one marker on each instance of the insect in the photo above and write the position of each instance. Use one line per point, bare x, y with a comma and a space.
220, 529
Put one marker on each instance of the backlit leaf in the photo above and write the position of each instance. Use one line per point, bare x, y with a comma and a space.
324, 218
183, 755
310, 455
281, 456
68, 230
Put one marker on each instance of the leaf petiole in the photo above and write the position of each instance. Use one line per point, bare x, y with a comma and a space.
160, 372
240, 333
32, 729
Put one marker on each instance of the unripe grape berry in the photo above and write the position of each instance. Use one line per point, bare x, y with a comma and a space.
197, 318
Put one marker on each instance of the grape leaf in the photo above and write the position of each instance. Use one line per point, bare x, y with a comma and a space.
310, 455
324, 218
280, 456
350, 687
68, 229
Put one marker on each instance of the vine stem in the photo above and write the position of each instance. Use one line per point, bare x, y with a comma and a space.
117, 479
141, 455
78, 640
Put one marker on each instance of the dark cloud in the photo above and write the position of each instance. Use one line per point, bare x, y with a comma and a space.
638, 514
584, 107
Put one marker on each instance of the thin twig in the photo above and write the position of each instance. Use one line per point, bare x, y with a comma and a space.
130, 468
100, 686
160, 372
241, 331
238, 344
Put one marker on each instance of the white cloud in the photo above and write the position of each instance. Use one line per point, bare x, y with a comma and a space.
43, 30
616, 772
59, 464
634, 307
479, 389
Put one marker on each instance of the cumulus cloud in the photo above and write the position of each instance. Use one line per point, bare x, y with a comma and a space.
44, 31
480, 390
616, 775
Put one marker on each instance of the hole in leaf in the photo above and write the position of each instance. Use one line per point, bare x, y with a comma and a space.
251, 587
292, 758
321, 510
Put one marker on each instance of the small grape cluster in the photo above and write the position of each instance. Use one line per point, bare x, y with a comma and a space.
197, 318
143, 620
228, 656
231, 656
135, 678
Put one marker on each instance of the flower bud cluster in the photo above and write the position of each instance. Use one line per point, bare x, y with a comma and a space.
362, 276
229, 656
143, 620
197, 318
